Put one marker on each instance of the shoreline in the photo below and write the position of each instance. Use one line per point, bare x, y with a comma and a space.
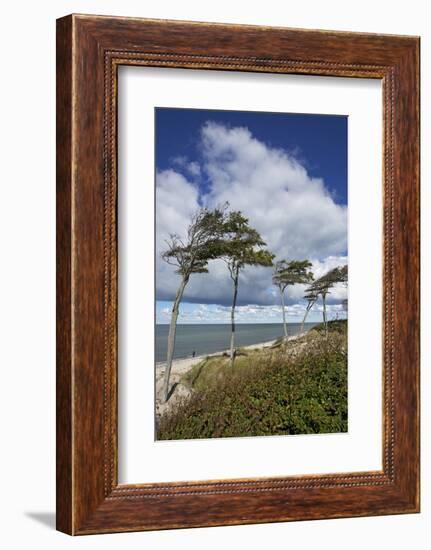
181, 366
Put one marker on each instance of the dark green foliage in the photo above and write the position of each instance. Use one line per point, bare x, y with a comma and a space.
201, 245
291, 273
339, 325
324, 284
277, 391
242, 244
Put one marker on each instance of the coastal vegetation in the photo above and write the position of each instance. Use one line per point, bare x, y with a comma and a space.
241, 246
322, 287
296, 386
287, 274
228, 235
212, 234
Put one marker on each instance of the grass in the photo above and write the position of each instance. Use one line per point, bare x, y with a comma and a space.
294, 387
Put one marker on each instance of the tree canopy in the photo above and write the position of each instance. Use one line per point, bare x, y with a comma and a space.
322, 286
291, 273
202, 243
242, 245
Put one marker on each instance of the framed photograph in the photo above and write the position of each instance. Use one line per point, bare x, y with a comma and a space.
237, 274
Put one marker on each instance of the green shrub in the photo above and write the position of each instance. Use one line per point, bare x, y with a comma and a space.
339, 325
292, 389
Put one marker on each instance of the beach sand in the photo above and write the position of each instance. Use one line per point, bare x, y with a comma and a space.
181, 366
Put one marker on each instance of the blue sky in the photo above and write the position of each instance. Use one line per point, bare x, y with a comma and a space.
319, 142
286, 172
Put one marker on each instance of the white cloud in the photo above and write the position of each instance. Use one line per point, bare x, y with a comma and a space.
191, 167
176, 202
179, 160
194, 169
295, 214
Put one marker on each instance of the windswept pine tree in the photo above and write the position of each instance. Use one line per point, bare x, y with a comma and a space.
190, 256
242, 246
290, 273
341, 274
311, 298
323, 285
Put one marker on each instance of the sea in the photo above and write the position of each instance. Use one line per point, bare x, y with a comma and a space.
205, 339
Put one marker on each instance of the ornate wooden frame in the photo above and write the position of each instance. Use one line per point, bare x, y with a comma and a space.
89, 51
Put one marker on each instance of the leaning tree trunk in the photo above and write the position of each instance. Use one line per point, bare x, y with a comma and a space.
307, 311
284, 313
171, 338
232, 319
325, 322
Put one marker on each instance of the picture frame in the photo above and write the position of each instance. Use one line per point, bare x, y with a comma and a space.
89, 51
